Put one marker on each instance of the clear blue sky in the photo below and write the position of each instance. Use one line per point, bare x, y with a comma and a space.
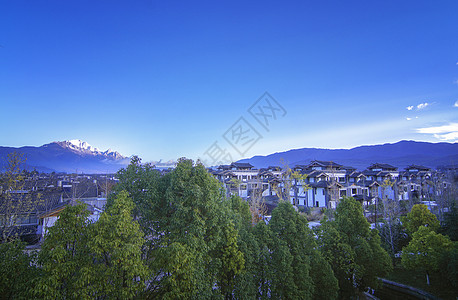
166, 79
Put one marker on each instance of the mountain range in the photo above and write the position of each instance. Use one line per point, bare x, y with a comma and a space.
80, 157
67, 156
400, 154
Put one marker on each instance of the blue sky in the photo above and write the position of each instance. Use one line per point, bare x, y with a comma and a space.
166, 79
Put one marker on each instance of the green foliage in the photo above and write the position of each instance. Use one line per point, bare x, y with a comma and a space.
185, 211
14, 206
418, 216
353, 249
393, 237
450, 224
17, 271
101, 260
425, 250
448, 265
299, 271
63, 256
115, 245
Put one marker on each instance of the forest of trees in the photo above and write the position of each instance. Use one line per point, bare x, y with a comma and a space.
180, 236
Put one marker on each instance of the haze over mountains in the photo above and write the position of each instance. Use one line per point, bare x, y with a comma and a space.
400, 154
78, 156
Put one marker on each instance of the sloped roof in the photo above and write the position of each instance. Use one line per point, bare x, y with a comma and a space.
382, 166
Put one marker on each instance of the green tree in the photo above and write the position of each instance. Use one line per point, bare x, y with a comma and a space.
15, 203
18, 271
64, 256
450, 224
185, 211
116, 245
296, 244
361, 245
425, 250
418, 216
339, 255
231, 259
140, 181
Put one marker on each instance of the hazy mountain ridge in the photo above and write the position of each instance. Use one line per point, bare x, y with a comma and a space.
400, 154
67, 156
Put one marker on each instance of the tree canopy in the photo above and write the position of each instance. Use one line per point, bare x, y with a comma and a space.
418, 216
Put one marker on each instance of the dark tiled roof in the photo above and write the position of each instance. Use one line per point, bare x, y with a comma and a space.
323, 163
382, 166
418, 167
241, 165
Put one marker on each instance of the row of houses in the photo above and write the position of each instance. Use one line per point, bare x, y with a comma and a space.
323, 183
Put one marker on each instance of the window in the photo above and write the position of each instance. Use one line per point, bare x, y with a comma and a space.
323, 192
341, 179
317, 204
353, 191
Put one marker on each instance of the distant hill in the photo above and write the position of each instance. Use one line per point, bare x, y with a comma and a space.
400, 154
67, 156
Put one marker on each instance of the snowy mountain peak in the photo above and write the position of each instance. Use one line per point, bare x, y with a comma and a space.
83, 147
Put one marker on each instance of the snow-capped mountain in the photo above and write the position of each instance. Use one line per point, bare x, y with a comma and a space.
82, 147
68, 156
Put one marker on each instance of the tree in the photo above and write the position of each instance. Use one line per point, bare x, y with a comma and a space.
311, 276
289, 181
87, 260
184, 211
339, 255
366, 259
18, 271
116, 246
389, 232
425, 250
418, 216
16, 204
64, 256
450, 224
140, 181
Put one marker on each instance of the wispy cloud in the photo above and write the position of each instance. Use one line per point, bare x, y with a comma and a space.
456, 103
408, 119
422, 105
409, 107
447, 132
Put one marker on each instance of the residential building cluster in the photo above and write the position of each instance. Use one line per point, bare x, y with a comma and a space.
323, 183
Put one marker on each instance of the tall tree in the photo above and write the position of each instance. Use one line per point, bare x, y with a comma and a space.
116, 243
419, 216
64, 256
425, 250
18, 271
185, 212
16, 203
368, 259
308, 280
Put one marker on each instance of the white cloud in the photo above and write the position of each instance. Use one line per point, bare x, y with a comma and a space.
445, 132
422, 105
452, 136
409, 107
408, 119
456, 103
